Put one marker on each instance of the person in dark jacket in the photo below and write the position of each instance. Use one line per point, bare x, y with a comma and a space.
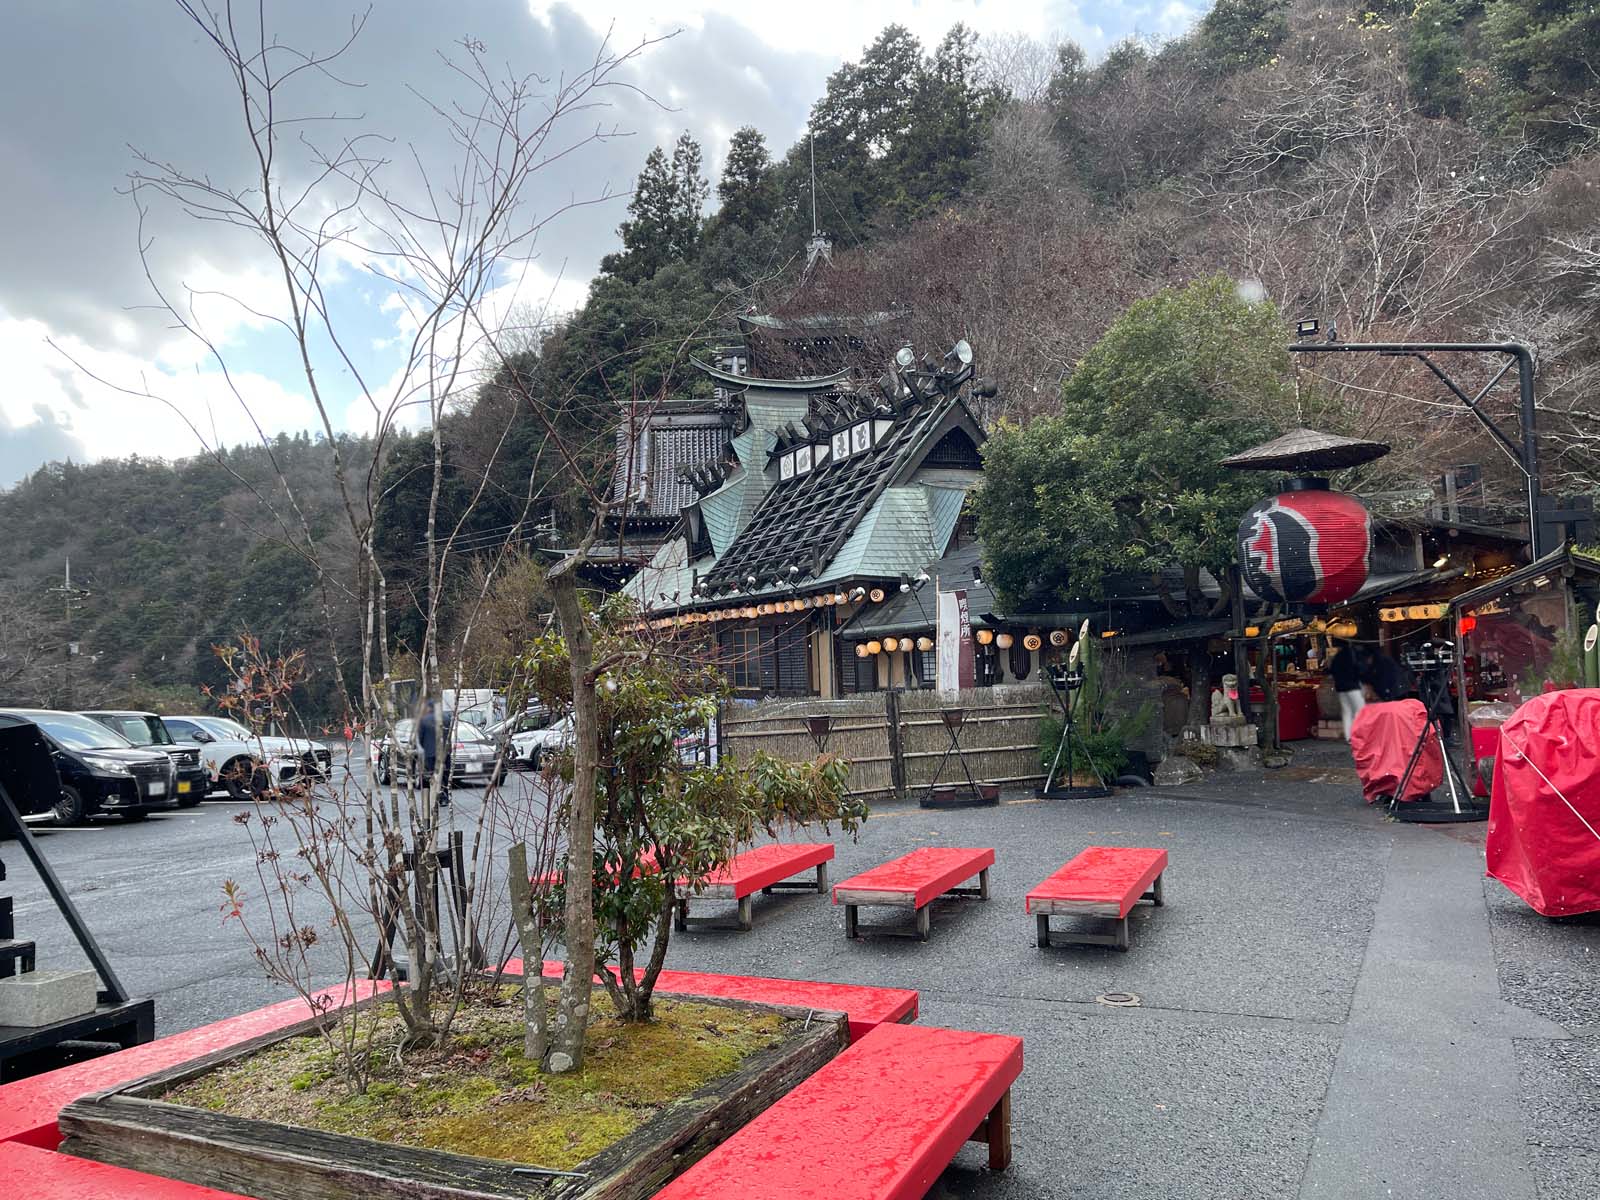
1346, 674
434, 739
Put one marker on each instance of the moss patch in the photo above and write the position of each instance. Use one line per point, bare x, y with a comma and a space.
479, 1096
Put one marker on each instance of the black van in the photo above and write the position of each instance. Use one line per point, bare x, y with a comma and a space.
147, 731
101, 771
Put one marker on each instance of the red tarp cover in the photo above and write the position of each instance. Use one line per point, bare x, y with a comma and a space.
1382, 738
1543, 850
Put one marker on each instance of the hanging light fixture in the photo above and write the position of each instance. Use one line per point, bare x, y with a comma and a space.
985, 636
877, 595
891, 645
874, 647
1058, 637
1004, 641
924, 644
862, 651
1033, 641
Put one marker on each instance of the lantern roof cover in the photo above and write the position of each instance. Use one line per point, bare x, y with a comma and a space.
1307, 450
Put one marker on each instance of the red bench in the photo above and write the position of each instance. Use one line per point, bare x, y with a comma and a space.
765, 869
1104, 882
879, 1122
914, 881
27, 1171
866, 1007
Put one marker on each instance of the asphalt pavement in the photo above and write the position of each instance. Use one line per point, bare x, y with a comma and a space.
1329, 1004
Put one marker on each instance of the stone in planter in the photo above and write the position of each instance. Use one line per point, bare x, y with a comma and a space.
133, 1126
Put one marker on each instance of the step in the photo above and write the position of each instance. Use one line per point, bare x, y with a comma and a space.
15, 955
45, 997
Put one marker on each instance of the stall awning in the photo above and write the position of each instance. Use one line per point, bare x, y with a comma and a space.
1564, 561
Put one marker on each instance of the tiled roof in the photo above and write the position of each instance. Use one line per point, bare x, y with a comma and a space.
805, 522
651, 460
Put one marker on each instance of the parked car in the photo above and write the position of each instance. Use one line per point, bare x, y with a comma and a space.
533, 744
148, 731
473, 755
241, 764
101, 771
505, 734
315, 758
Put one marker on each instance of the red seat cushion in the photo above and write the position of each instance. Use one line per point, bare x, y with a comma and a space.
766, 865
1103, 880
923, 874
879, 1122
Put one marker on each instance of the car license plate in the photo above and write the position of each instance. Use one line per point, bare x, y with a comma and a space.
471, 768
183, 786
158, 787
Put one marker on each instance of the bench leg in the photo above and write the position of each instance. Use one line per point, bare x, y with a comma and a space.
983, 884
850, 930
999, 1130
1156, 893
1043, 921
924, 923
680, 919
1122, 935
822, 878
747, 918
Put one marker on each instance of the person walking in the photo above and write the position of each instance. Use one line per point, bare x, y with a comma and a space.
1346, 674
434, 739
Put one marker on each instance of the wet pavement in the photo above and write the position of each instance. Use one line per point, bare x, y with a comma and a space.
1329, 1004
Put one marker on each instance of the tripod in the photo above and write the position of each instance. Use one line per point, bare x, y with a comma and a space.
1433, 687
1064, 684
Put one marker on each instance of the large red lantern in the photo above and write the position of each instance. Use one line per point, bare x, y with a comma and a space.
1308, 547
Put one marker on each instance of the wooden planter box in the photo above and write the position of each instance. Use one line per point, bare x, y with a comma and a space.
128, 1127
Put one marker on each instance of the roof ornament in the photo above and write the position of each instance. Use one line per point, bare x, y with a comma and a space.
819, 247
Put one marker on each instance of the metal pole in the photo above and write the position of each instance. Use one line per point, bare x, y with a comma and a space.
1519, 351
1530, 445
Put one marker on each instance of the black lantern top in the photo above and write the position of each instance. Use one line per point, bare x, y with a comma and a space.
1301, 451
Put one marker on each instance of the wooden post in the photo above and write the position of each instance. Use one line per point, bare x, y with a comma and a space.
897, 758
998, 1127
1241, 648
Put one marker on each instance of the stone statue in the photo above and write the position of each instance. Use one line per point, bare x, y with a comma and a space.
1225, 702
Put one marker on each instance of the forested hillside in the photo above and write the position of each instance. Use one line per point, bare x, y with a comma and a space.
1398, 171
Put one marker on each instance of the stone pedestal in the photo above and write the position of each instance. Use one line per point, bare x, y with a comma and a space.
1229, 734
44, 997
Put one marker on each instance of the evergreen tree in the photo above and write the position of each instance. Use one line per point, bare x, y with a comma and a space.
1237, 34
664, 215
747, 190
1545, 55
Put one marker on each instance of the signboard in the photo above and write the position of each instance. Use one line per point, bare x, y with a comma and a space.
955, 642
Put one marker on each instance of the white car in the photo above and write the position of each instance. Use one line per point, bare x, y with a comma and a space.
530, 745
238, 761
315, 758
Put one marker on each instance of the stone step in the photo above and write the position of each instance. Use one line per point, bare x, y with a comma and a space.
45, 997
16, 956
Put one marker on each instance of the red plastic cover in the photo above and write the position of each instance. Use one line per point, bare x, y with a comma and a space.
1382, 738
1544, 809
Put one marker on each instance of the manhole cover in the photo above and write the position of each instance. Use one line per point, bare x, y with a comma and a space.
1118, 1000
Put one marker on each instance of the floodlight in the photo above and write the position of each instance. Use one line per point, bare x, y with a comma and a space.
1307, 328
962, 352
906, 357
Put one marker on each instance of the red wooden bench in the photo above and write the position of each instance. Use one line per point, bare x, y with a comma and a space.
879, 1122
865, 1006
914, 881
34, 1174
1104, 882
765, 869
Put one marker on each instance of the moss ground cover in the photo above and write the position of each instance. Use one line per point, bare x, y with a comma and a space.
478, 1095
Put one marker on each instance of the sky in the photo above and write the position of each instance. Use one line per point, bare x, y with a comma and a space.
96, 369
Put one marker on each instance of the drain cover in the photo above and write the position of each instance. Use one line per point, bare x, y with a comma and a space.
1118, 1000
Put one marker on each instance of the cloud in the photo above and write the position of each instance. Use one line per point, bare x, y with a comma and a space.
24, 447
83, 85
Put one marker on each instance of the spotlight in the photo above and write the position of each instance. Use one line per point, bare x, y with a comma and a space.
1440, 561
905, 358
1307, 328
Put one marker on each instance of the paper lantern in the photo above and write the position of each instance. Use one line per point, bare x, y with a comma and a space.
1058, 637
891, 645
1312, 547
839, 598
874, 647
1033, 641
985, 636
862, 651
1004, 641
924, 644
876, 595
